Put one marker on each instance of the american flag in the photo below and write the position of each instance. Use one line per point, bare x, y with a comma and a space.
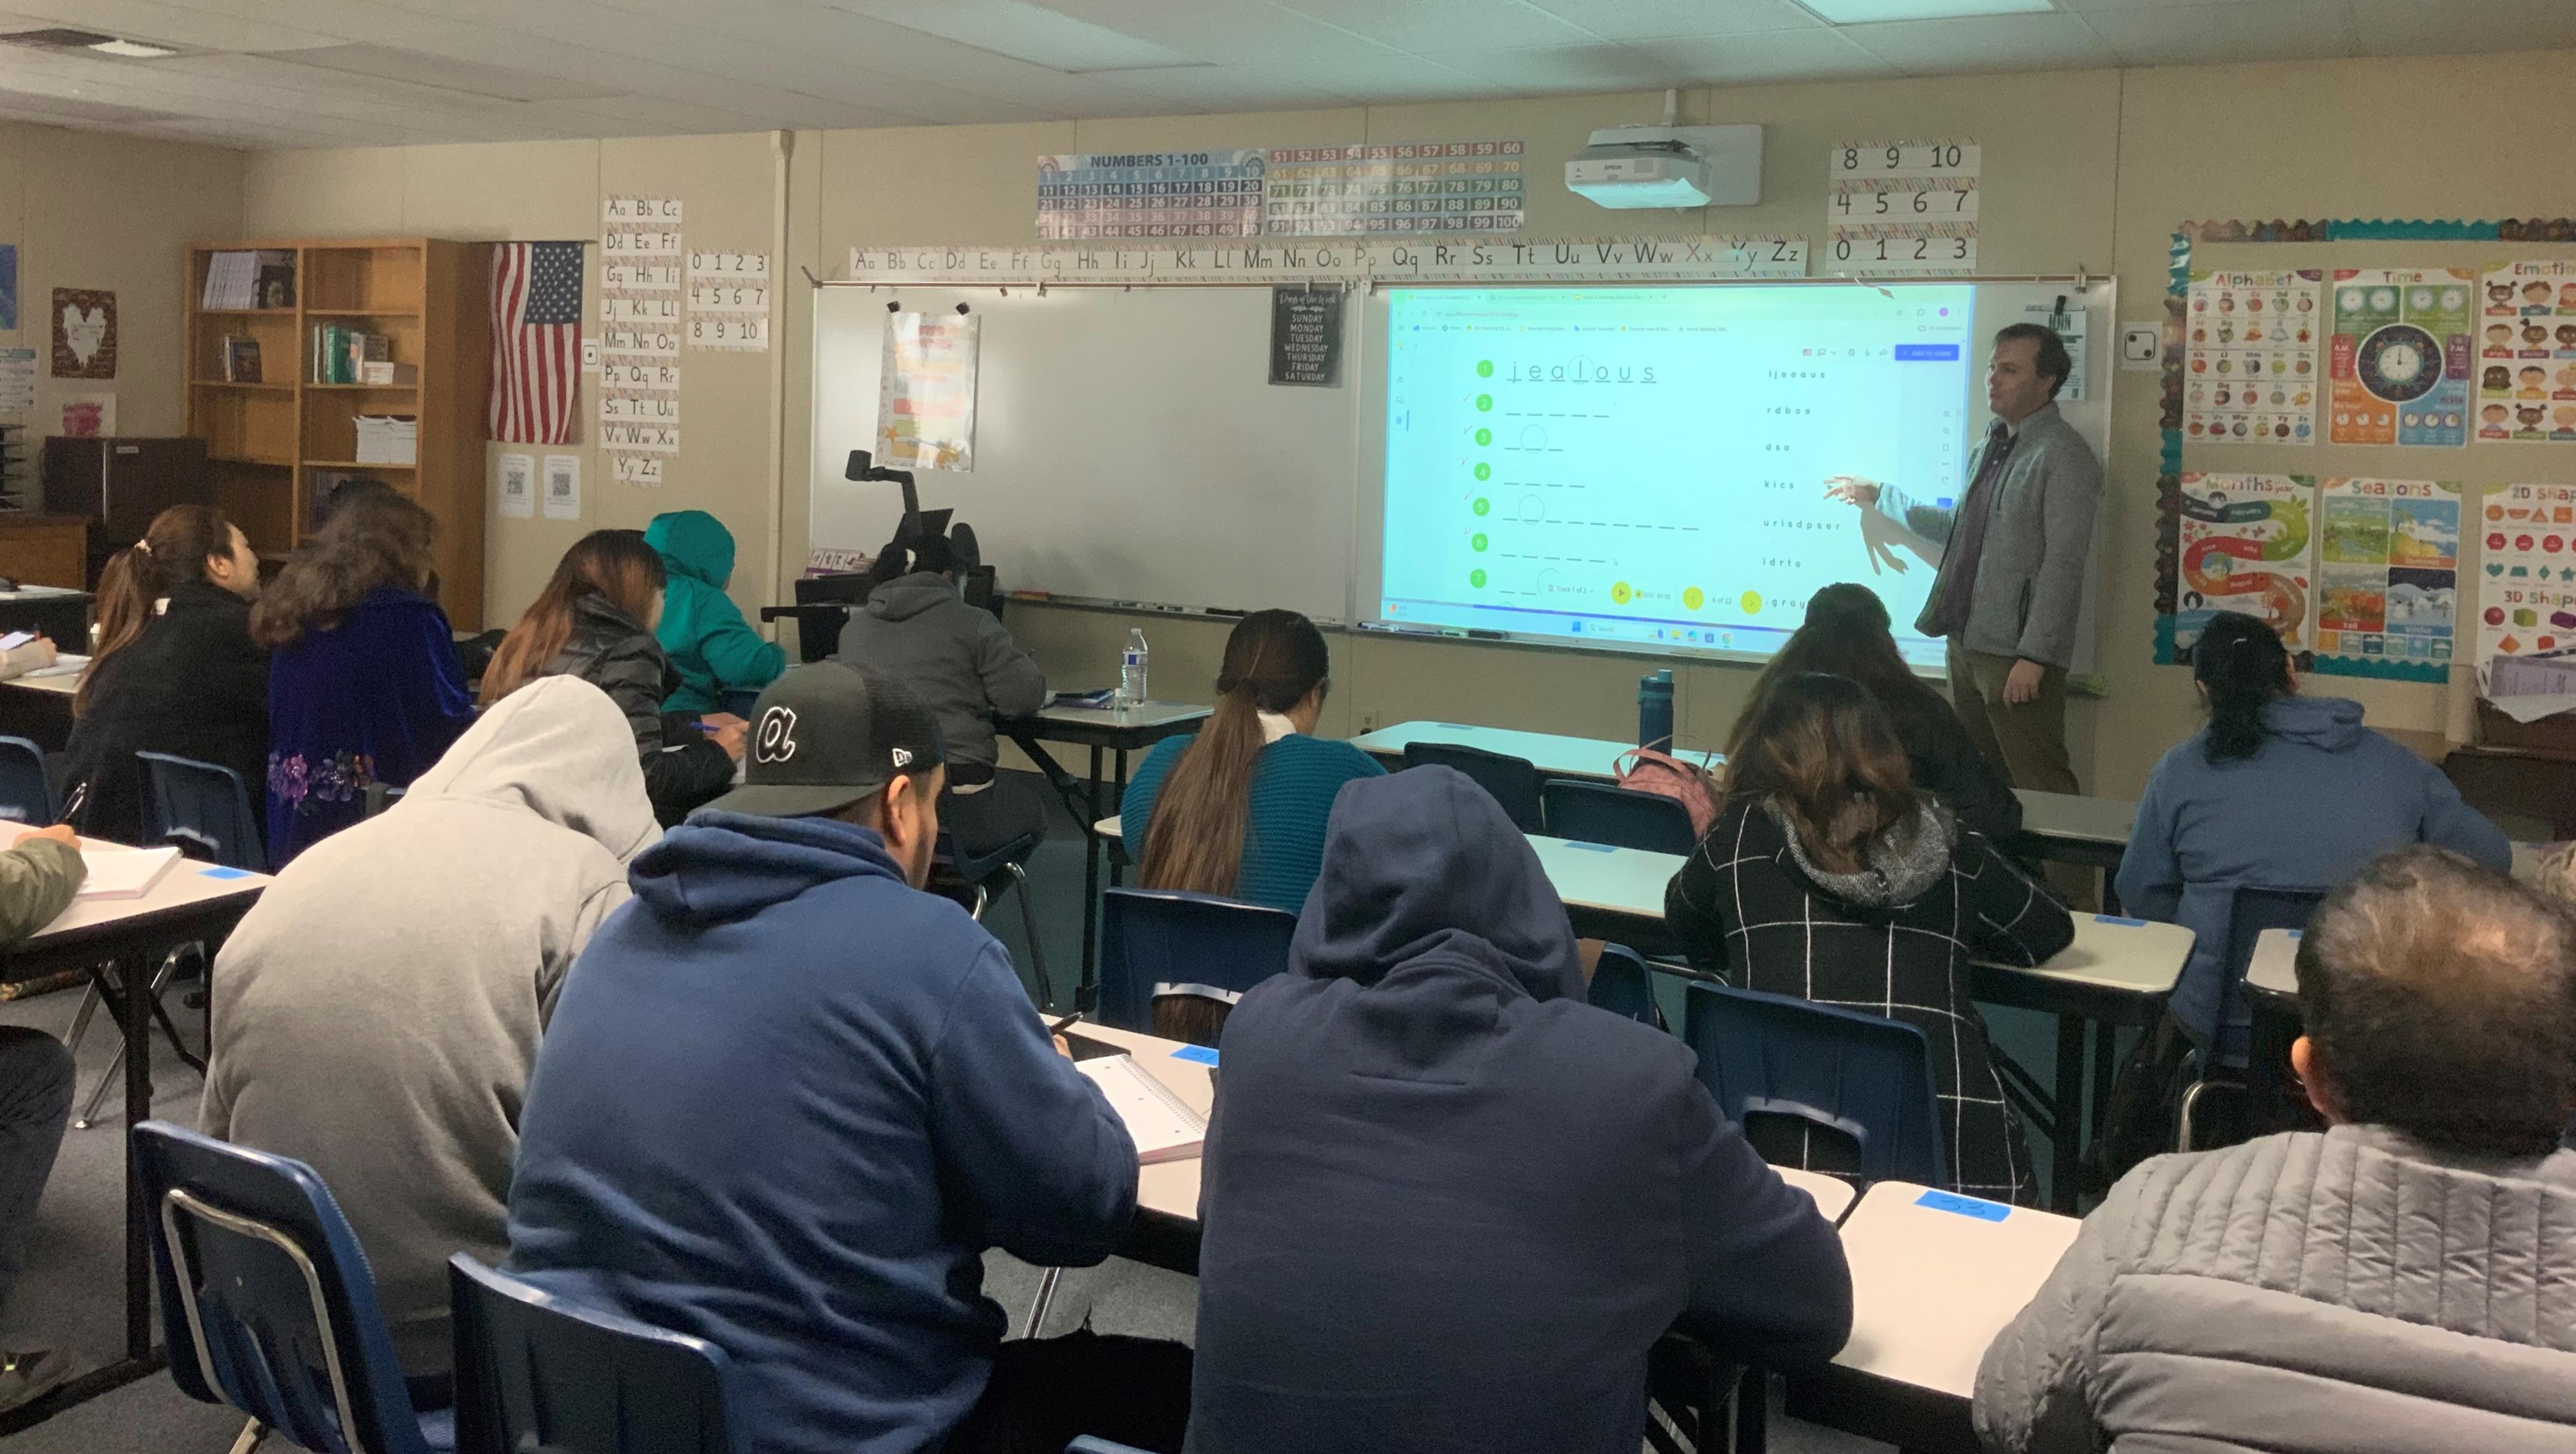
536, 340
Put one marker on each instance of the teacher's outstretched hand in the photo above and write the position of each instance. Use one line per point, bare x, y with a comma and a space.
1852, 490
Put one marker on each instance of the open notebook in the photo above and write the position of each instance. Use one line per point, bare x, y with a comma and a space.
1163, 1126
114, 871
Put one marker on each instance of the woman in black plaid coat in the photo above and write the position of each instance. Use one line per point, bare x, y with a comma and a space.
1827, 876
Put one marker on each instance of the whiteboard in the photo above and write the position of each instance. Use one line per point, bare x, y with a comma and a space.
1129, 446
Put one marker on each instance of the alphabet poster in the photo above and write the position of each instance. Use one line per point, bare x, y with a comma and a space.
2527, 354
2401, 355
2388, 565
2250, 358
84, 333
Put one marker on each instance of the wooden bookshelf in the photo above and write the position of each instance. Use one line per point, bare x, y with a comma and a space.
270, 441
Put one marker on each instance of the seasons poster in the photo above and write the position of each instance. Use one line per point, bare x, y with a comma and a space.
2388, 565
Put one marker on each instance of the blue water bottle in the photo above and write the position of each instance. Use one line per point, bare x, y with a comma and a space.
1655, 711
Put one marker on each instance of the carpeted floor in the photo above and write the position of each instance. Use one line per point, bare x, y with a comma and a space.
71, 1295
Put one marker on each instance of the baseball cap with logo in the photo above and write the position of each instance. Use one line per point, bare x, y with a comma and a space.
824, 736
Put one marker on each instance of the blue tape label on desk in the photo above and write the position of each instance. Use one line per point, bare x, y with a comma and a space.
223, 873
1196, 1055
2116, 919
1592, 847
2295, 933
1984, 1211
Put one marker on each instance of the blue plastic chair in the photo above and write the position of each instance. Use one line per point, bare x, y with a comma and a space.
267, 1303
1623, 985
26, 794
2253, 909
1157, 936
1868, 1077
1005, 867
1598, 813
535, 1371
1512, 780
204, 809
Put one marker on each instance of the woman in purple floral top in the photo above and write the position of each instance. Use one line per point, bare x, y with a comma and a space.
363, 681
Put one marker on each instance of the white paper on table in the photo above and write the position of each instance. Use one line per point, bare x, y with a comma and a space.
2532, 709
1162, 1126
111, 870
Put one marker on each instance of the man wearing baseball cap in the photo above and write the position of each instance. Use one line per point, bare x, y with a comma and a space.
787, 1101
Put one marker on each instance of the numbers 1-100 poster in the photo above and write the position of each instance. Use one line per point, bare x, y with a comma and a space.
2401, 355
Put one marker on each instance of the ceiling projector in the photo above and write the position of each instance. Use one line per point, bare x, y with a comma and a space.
1669, 166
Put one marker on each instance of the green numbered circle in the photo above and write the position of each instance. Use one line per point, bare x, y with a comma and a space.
1479, 544
1484, 472
1482, 505
1484, 368
1476, 578
1484, 403
1484, 436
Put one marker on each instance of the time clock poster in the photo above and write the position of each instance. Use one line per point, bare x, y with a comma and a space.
2401, 355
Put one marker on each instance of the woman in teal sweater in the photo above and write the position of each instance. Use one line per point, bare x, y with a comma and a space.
1238, 810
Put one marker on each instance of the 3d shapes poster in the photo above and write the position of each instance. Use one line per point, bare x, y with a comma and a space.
2527, 572
2246, 547
2388, 565
2526, 384
2251, 358
2401, 353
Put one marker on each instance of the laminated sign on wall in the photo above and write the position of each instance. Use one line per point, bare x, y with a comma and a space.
2401, 355
1896, 207
2246, 547
729, 301
2388, 565
2526, 574
640, 304
2250, 357
2527, 354
926, 392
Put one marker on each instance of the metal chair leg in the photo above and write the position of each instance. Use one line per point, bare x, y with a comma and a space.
89, 1004
975, 911
108, 1082
2182, 1122
1029, 926
252, 1435
1045, 1300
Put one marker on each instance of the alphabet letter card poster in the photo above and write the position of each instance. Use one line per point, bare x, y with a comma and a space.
2250, 358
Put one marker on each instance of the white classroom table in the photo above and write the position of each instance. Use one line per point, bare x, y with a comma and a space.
1935, 1278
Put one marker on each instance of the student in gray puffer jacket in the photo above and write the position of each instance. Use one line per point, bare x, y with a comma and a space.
2405, 1281
595, 621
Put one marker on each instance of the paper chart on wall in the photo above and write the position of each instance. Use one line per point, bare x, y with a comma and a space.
2401, 355
2526, 572
1403, 189
729, 301
926, 392
1084, 196
2247, 546
2388, 562
641, 322
563, 487
2526, 384
518, 487
1902, 207
17, 380
2250, 357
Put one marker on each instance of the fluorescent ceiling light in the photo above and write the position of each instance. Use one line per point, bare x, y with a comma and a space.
133, 49
1864, 12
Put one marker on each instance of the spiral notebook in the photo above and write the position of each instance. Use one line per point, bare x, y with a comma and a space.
1161, 1123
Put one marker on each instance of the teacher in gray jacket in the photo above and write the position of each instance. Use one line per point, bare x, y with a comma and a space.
2011, 578
2405, 1281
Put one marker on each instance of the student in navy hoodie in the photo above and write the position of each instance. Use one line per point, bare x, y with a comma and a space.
1450, 1206
787, 1102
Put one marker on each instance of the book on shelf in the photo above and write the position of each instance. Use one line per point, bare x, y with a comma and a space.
238, 281
241, 359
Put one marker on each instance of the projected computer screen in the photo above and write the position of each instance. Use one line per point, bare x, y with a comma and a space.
1650, 466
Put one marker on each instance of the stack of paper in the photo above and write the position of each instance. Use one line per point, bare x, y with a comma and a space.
114, 870
232, 281
388, 439
1162, 1125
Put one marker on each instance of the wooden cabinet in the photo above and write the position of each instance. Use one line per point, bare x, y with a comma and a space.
45, 550
278, 437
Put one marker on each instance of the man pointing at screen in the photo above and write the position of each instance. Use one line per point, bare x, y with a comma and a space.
2011, 577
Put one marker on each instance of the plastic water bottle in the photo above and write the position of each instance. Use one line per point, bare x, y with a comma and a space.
1655, 711
1131, 671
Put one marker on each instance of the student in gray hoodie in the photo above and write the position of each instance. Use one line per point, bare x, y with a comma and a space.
380, 1007
958, 659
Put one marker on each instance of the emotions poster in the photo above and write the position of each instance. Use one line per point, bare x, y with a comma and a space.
2400, 356
2526, 384
2250, 358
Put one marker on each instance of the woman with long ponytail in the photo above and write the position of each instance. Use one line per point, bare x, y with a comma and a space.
175, 670
2278, 791
1239, 808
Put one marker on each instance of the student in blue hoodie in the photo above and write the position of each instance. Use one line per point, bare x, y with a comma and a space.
2279, 790
787, 1102
1450, 1206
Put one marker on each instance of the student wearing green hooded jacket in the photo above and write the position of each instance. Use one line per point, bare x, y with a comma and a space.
713, 649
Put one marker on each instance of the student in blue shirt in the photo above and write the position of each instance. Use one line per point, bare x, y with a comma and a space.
2282, 791
1239, 808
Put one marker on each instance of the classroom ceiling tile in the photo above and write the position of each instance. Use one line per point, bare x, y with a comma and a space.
1984, 43
188, 26
1224, 32
1228, 88
1389, 79
1655, 19
1430, 25
1780, 55
61, 110
2228, 32
1551, 69
1023, 32
444, 73
2462, 27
